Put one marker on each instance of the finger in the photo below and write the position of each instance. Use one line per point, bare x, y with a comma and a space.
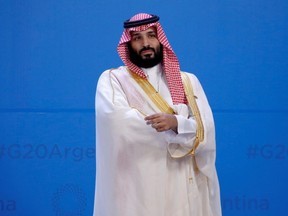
149, 122
151, 117
153, 121
155, 125
160, 129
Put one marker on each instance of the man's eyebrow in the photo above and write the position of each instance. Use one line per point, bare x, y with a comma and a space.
151, 31
134, 33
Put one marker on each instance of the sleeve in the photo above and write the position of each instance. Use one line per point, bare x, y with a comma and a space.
123, 140
181, 143
115, 116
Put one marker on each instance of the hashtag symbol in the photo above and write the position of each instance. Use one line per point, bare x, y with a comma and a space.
2, 151
252, 151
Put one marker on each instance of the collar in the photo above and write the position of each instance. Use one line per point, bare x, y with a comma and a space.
153, 71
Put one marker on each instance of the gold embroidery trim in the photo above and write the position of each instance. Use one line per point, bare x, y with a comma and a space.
195, 111
152, 93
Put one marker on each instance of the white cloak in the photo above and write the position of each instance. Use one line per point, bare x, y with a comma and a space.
137, 173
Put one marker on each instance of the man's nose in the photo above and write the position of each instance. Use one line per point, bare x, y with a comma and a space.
145, 42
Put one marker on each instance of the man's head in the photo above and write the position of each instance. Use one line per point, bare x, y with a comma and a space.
144, 44
144, 48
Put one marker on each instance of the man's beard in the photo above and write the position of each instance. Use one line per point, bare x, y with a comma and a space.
147, 62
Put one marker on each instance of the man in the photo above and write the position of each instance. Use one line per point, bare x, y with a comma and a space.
155, 150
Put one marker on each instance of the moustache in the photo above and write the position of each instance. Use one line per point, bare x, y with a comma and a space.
147, 48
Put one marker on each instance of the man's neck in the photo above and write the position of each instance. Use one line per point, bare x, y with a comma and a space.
157, 69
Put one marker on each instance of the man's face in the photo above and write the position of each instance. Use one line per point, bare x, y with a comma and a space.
145, 48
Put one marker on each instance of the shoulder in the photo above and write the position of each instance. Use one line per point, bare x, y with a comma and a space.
193, 78
196, 84
112, 73
113, 77
113, 70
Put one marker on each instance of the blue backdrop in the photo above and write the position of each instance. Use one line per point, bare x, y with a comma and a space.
52, 53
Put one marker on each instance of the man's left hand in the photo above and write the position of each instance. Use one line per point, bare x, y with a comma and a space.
162, 122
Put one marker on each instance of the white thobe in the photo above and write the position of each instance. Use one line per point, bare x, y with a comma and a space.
138, 172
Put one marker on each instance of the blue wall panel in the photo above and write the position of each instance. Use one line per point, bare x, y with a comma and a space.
52, 53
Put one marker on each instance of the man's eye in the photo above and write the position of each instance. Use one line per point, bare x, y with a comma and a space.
135, 38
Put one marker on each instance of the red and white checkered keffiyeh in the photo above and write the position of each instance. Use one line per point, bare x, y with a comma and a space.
170, 62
